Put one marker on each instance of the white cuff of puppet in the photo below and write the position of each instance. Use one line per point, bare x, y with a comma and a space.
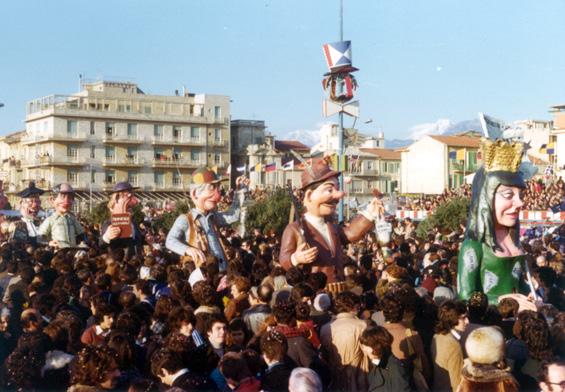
105, 238
293, 260
370, 216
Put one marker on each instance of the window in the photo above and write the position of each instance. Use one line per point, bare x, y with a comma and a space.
217, 158
157, 153
147, 109
72, 177
176, 153
176, 132
159, 178
132, 131
132, 178
71, 128
93, 176
177, 179
124, 108
109, 177
217, 134
194, 155
131, 154
110, 153
217, 112
109, 129
194, 133
92, 129
158, 131
93, 152
357, 186
72, 151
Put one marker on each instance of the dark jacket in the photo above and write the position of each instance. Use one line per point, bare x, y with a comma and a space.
131, 246
192, 382
389, 375
300, 350
275, 378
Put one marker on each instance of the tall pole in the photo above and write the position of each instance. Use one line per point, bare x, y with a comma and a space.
340, 130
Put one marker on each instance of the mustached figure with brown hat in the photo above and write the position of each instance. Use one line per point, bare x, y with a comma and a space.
314, 240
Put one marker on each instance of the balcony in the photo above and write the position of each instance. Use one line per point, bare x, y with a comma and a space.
68, 161
176, 163
176, 141
66, 138
128, 161
116, 139
218, 143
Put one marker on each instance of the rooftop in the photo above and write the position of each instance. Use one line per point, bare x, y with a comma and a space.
383, 153
287, 145
458, 141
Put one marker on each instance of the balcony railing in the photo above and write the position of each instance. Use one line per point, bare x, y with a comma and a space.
179, 162
126, 139
55, 161
32, 139
127, 161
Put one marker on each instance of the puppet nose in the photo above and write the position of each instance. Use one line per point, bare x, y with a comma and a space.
339, 194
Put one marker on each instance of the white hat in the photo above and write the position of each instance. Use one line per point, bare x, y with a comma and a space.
485, 346
322, 302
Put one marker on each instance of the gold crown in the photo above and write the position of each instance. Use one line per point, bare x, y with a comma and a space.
501, 156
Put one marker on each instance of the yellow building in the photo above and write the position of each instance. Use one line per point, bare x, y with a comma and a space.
112, 131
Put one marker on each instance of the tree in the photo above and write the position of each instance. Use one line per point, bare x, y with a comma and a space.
447, 217
271, 213
100, 213
166, 220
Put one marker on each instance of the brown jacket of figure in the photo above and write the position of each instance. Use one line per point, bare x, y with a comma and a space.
330, 258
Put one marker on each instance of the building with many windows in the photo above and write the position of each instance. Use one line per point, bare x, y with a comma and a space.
556, 145
112, 131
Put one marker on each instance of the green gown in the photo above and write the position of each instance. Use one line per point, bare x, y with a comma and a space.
479, 269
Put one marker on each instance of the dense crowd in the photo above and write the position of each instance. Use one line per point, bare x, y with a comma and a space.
94, 319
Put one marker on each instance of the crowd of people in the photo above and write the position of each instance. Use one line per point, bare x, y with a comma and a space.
100, 318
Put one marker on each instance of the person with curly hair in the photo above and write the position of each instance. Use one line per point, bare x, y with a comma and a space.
94, 369
274, 347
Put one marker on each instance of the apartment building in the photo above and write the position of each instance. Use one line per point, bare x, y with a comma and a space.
373, 168
112, 131
556, 146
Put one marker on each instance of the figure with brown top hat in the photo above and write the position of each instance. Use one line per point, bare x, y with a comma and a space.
62, 229
26, 229
196, 234
314, 239
120, 232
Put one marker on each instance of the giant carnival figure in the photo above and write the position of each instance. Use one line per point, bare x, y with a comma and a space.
314, 239
196, 234
26, 229
491, 259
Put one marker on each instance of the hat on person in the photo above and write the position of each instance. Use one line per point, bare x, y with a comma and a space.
123, 186
318, 172
63, 188
205, 175
30, 191
443, 294
322, 302
485, 346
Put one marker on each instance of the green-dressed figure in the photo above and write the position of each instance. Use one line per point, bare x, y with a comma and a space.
491, 259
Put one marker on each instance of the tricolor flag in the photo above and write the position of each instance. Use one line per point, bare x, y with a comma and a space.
551, 149
289, 165
271, 167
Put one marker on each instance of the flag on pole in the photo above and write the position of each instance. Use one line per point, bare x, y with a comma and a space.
551, 149
270, 167
460, 154
289, 165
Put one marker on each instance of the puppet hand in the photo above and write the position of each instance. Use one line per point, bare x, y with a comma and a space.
112, 232
303, 255
242, 182
376, 209
197, 256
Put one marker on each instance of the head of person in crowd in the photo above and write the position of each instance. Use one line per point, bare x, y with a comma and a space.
376, 343
62, 198
477, 306
238, 334
165, 364
182, 321
393, 310
240, 287
216, 330
552, 376
205, 189
30, 203
260, 295
347, 302
304, 380
274, 347
95, 367
285, 312
452, 315
235, 370
485, 368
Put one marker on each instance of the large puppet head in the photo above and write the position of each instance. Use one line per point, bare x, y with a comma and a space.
30, 205
62, 198
123, 198
321, 188
205, 189
497, 187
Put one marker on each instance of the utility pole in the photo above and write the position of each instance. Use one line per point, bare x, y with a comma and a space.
340, 130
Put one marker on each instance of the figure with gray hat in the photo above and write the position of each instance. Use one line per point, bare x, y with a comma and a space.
62, 229
26, 229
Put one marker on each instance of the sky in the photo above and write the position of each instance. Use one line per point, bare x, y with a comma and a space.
421, 62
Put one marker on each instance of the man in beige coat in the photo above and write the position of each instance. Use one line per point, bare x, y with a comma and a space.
341, 345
